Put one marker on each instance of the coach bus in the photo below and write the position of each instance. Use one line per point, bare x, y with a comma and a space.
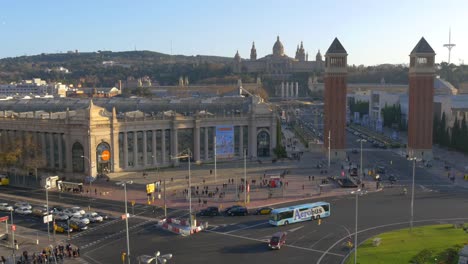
299, 213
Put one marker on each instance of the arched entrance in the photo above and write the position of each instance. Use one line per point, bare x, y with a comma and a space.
103, 157
77, 160
263, 144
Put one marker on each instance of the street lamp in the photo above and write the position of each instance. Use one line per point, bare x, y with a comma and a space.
188, 154
357, 192
414, 159
158, 259
90, 179
361, 140
124, 184
47, 207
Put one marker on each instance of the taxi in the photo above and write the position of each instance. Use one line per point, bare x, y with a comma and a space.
62, 228
263, 211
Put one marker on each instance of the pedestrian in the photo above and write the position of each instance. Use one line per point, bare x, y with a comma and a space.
302, 186
211, 171
3, 260
309, 177
95, 191
313, 178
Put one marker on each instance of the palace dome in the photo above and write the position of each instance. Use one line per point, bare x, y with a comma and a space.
278, 48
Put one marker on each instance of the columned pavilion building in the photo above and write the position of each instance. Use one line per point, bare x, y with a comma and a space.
79, 137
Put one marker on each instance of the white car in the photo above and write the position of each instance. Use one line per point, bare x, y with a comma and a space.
61, 217
78, 209
23, 210
71, 213
94, 217
80, 219
5, 207
23, 204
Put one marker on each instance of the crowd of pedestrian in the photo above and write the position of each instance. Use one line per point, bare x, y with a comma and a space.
56, 254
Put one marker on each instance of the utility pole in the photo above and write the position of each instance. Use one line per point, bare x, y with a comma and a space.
245, 178
215, 154
165, 205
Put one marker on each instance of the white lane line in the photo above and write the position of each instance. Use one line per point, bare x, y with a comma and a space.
320, 240
246, 227
295, 229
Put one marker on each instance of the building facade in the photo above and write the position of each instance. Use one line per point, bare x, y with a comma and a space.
335, 101
421, 100
79, 137
278, 64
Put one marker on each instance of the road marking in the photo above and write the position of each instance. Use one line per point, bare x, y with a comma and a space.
286, 245
295, 229
320, 240
246, 227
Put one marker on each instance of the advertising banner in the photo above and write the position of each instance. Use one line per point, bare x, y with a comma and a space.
224, 141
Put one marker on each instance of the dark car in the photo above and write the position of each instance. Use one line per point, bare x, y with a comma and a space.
238, 211
355, 151
392, 178
263, 211
104, 215
277, 240
209, 211
230, 208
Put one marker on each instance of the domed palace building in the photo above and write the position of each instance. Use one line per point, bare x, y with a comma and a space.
278, 64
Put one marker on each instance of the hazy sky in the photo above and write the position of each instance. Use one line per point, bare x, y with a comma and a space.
373, 32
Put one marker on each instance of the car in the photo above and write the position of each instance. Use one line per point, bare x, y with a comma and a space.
104, 215
39, 211
238, 211
71, 213
78, 226
61, 217
5, 207
78, 209
277, 240
62, 227
80, 219
57, 209
230, 208
94, 217
263, 211
23, 204
355, 151
392, 178
23, 211
209, 211
380, 169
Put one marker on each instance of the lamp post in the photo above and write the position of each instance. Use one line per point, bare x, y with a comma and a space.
357, 192
124, 184
245, 177
412, 193
158, 259
188, 155
13, 236
361, 140
91, 175
47, 207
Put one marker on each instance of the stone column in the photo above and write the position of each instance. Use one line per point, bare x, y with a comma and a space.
297, 89
241, 141
282, 89
135, 149
292, 89
125, 150
196, 142
174, 144
206, 143
145, 149
163, 145
155, 152
44, 149
252, 138
287, 89
60, 156
51, 150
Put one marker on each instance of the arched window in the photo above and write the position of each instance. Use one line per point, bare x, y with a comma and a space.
263, 144
103, 157
77, 160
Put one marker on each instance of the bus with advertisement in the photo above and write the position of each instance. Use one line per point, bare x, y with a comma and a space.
299, 213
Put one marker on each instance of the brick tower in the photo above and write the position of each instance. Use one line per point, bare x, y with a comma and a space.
335, 101
421, 98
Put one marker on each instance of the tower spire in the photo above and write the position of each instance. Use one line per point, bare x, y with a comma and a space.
450, 45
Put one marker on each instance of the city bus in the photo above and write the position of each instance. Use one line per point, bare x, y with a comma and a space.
299, 213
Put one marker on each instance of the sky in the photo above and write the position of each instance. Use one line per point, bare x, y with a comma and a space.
372, 32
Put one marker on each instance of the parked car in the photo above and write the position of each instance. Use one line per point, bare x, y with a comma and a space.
62, 227
93, 217
104, 215
23, 211
39, 211
230, 208
23, 204
78, 209
71, 213
80, 219
392, 178
238, 211
78, 226
209, 211
263, 211
61, 217
5, 207
277, 240
355, 151
57, 209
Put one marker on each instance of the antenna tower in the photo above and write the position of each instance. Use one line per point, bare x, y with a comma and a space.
450, 45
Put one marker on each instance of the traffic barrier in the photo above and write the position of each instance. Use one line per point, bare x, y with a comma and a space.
173, 225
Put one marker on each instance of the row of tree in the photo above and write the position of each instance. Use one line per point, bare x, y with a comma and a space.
359, 106
392, 117
455, 137
20, 153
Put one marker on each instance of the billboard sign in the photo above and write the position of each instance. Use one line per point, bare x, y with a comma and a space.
224, 141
